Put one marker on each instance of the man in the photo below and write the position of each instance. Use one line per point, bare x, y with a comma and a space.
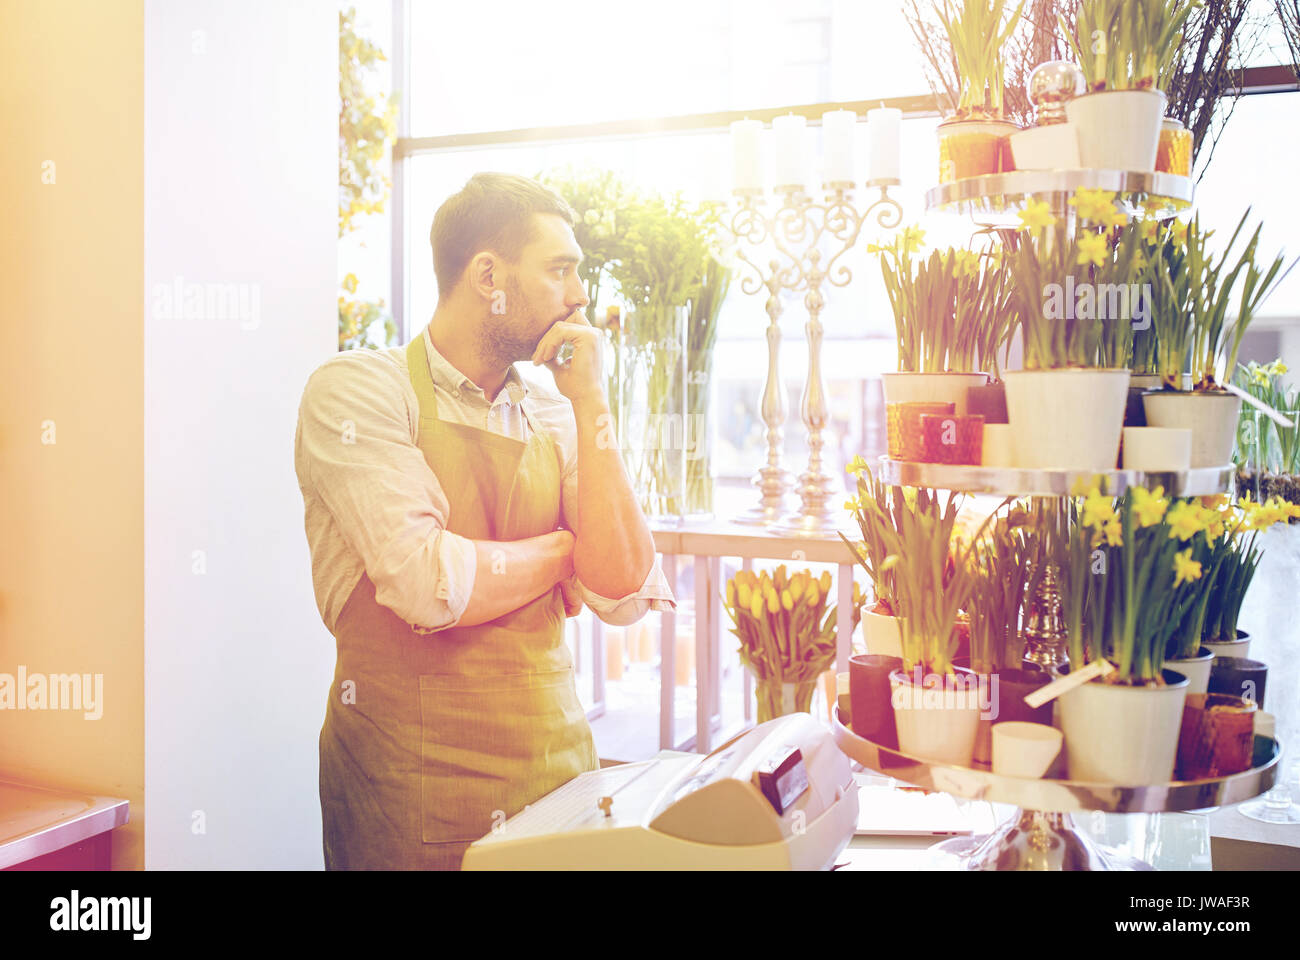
456, 516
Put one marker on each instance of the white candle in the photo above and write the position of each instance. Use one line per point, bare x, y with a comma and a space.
745, 154
883, 125
791, 160
837, 145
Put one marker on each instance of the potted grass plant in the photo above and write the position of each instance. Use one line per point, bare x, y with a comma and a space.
1125, 48
974, 140
937, 705
1193, 294
1066, 407
1124, 591
937, 349
874, 513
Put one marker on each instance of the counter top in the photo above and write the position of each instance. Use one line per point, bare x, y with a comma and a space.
36, 820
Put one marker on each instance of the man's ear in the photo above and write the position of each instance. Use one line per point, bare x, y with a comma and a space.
484, 274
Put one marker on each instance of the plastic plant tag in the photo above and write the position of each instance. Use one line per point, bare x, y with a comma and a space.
1260, 405
1075, 678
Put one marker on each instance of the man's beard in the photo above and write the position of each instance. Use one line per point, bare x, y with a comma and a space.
505, 338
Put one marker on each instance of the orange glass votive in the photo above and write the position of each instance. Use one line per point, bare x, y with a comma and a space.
949, 438
1174, 154
903, 427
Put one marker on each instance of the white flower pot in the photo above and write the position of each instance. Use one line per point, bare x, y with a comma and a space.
997, 449
1196, 669
1157, 449
1121, 734
1118, 129
881, 634
939, 722
1211, 417
1066, 419
1051, 147
931, 387
1023, 749
1232, 648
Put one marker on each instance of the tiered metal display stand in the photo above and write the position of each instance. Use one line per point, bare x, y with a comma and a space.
1041, 835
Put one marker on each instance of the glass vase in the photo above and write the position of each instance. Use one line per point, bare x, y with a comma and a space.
777, 697
653, 422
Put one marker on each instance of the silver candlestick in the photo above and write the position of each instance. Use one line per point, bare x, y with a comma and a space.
799, 228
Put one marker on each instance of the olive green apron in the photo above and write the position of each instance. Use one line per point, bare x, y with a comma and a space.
431, 741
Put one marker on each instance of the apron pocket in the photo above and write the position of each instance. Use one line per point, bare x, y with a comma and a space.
491, 744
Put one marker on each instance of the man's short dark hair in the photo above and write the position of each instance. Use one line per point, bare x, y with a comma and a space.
494, 211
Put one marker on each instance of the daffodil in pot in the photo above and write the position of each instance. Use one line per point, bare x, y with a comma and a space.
974, 141
1268, 454
873, 511
937, 706
1125, 48
787, 633
1193, 293
1210, 544
1066, 407
938, 351
1124, 591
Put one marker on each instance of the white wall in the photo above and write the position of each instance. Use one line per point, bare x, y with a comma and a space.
240, 188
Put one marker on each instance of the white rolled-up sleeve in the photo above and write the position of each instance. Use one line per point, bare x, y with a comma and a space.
356, 453
655, 592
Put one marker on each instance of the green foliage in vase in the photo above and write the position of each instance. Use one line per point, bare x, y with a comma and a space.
1265, 444
1001, 563
367, 125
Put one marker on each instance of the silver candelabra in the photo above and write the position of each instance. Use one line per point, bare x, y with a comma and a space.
797, 230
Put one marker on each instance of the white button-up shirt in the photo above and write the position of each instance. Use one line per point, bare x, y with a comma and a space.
373, 505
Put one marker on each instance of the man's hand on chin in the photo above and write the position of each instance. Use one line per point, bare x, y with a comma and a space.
579, 377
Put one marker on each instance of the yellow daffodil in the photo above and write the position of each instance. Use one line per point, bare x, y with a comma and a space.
1277, 368
1082, 487
1215, 501
1149, 229
852, 505
1093, 248
1149, 506
1185, 568
1097, 510
1093, 204
350, 283
1260, 376
1114, 533
857, 466
1037, 214
912, 240
1178, 230
1185, 520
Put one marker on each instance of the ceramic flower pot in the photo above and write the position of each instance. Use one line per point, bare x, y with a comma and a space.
870, 704
1231, 648
1174, 151
996, 449
1196, 669
1006, 703
881, 632
1066, 419
1118, 129
1135, 414
989, 401
1217, 737
974, 148
1211, 417
937, 715
1157, 449
903, 387
1051, 147
1123, 734
1024, 749
1239, 677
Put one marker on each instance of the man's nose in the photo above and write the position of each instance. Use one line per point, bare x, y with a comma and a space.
577, 293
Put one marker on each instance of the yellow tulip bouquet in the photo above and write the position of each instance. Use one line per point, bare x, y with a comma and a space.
787, 633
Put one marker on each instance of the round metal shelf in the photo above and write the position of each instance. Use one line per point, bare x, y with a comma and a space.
1064, 796
997, 198
1017, 482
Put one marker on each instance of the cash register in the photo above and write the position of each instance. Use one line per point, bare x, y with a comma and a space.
780, 796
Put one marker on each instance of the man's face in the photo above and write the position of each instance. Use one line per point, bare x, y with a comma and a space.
535, 293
